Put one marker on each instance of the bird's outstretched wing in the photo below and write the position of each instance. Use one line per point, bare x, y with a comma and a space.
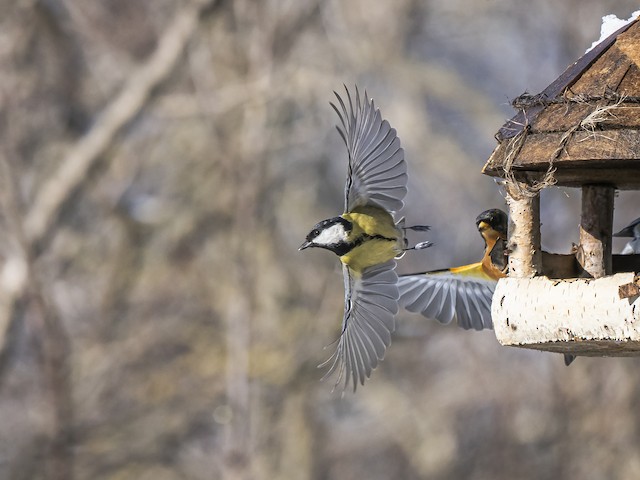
445, 295
631, 247
371, 302
628, 230
377, 170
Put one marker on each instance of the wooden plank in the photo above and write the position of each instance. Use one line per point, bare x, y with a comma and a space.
621, 179
629, 44
626, 263
560, 118
605, 73
589, 157
623, 116
630, 85
577, 316
557, 265
494, 166
565, 265
601, 145
583, 146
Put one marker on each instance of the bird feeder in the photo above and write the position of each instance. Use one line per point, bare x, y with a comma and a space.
582, 131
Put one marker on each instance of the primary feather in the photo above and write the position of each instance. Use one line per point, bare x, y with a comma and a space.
377, 173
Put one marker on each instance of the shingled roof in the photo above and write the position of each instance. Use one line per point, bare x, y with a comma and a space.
582, 129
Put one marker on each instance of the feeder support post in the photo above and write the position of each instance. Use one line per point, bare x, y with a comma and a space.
596, 226
525, 255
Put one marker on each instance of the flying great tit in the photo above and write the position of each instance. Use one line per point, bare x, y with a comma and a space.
464, 292
631, 230
366, 238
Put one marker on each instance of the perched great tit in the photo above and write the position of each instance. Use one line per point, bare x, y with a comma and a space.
631, 230
464, 292
366, 238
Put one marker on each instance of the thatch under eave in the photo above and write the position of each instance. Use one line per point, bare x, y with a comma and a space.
584, 128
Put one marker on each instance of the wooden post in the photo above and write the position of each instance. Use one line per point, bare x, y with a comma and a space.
525, 258
596, 226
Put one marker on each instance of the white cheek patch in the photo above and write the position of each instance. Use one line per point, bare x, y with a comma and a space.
332, 235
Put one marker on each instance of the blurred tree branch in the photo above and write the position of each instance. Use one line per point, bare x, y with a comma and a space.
85, 154
127, 104
22, 287
48, 329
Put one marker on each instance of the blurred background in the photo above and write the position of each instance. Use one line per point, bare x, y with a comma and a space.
161, 161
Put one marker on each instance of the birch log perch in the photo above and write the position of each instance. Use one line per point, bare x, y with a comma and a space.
578, 316
525, 259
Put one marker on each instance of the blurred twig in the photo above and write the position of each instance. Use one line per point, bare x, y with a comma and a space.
127, 104
15, 269
46, 324
75, 167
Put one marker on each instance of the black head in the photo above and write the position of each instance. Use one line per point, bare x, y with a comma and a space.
331, 234
494, 219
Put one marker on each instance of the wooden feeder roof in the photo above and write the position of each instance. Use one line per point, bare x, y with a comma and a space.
584, 128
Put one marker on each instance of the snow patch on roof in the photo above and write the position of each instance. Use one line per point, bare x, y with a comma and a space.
611, 23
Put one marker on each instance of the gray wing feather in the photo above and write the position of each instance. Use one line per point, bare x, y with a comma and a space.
462, 309
631, 247
371, 302
445, 296
421, 296
377, 170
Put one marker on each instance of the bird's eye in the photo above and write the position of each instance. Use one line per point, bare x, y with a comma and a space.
315, 232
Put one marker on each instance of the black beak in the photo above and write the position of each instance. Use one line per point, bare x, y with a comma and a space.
305, 245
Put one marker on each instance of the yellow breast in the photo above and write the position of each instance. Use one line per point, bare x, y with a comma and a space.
383, 240
371, 252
